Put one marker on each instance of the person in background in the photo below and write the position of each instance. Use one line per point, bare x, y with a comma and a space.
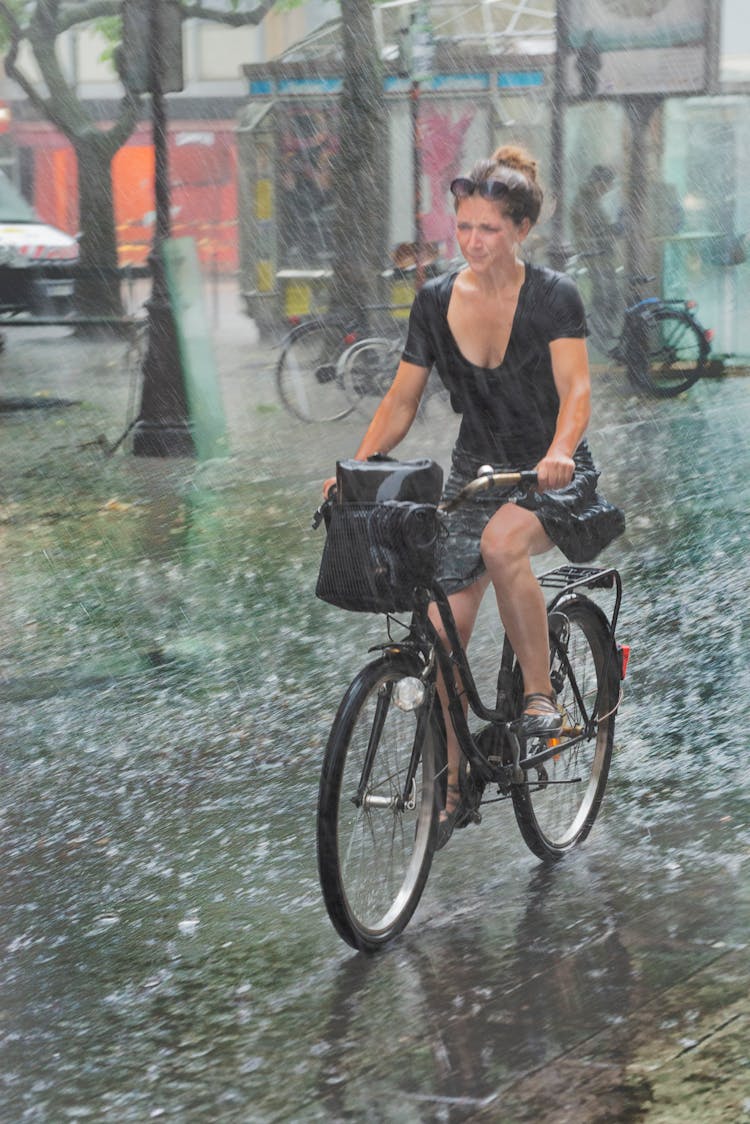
596, 235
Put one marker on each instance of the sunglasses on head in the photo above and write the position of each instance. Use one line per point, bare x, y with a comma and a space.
463, 187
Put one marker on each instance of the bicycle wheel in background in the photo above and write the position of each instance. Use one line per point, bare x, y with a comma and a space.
379, 802
558, 802
368, 368
665, 351
306, 374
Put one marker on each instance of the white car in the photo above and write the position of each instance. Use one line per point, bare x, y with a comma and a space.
35, 260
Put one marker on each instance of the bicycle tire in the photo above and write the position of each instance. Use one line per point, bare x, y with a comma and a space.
374, 853
368, 368
306, 374
665, 351
558, 802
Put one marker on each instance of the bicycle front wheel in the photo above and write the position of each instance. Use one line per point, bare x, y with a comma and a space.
559, 800
665, 351
379, 801
306, 373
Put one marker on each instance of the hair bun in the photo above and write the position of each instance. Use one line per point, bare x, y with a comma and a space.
513, 156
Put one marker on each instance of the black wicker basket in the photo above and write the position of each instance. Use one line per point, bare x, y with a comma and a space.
377, 554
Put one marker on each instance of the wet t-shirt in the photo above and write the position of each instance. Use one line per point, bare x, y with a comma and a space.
508, 413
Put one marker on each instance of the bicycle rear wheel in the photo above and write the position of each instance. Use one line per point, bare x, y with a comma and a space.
665, 351
558, 802
306, 375
379, 801
368, 369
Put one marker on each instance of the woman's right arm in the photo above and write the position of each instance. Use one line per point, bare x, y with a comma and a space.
394, 415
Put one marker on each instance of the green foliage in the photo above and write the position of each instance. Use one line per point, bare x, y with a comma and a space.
110, 29
17, 9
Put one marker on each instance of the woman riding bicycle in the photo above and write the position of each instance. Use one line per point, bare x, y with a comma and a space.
508, 341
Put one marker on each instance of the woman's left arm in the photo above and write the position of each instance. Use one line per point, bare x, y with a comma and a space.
570, 369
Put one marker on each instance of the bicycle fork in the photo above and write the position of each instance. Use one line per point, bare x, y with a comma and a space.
406, 799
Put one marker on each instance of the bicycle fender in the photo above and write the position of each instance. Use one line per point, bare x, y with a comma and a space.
642, 304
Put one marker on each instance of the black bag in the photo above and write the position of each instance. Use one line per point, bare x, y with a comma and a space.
382, 478
376, 554
583, 534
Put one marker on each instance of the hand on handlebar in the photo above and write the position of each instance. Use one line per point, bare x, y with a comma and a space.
486, 478
554, 470
329, 495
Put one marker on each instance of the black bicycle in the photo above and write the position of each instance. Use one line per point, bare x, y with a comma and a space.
330, 365
327, 364
384, 771
660, 343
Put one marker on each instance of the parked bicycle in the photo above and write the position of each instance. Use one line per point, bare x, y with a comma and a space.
328, 364
661, 344
384, 771
331, 365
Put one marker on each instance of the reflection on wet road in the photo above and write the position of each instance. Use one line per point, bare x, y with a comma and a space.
167, 685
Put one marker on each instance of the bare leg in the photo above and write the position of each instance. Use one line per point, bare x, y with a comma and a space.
510, 539
465, 606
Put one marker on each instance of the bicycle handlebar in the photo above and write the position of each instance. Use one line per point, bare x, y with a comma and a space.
487, 477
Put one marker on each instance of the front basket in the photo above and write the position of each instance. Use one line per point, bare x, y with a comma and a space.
377, 554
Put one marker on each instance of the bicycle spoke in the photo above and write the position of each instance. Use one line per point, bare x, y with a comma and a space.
670, 354
557, 805
306, 374
378, 805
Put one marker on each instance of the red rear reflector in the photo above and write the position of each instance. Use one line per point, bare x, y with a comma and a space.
709, 334
350, 338
624, 653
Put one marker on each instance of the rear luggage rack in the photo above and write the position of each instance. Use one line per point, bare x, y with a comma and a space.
595, 577
568, 578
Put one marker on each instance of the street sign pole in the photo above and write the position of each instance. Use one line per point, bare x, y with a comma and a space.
422, 51
162, 428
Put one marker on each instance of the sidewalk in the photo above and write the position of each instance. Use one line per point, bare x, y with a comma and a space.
50, 365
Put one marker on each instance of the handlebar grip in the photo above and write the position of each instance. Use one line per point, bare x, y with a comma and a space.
525, 478
486, 478
320, 513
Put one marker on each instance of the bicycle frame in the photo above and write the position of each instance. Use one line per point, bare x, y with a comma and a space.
509, 767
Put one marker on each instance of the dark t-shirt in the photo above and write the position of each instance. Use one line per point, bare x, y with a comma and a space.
508, 413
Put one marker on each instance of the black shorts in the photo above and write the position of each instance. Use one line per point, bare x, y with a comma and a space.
576, 518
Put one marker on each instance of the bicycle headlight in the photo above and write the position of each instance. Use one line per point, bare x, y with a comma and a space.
408, 694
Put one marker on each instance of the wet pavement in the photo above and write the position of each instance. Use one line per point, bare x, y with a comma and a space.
167, 682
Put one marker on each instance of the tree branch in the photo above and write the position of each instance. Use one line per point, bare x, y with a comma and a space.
17, 33
230, 19
130, 111
75, 14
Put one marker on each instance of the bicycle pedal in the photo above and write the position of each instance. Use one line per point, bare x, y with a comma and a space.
470, 817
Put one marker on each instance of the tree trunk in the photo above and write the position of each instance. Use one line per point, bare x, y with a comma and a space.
360, 169
98, 284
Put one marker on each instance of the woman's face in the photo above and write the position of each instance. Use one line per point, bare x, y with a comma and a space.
486, 235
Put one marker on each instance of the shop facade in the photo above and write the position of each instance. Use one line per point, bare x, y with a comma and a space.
692, 153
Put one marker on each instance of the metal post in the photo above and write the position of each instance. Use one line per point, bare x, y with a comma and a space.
557, 251
162, 428
639, 110
417, 183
